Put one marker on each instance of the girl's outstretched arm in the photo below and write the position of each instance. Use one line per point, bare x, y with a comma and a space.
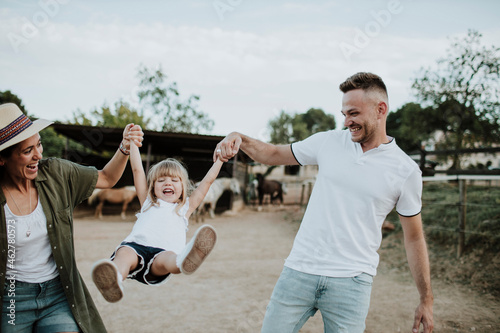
140, 181
201, 191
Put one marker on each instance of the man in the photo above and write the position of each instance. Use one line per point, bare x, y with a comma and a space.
362, 176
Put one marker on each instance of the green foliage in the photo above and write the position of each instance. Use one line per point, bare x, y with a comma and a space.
119, 117
464, 93
83, 118
8, 97
313, 121
281, 128
162, 100
160, 108
53, 144
286, 128
411, 125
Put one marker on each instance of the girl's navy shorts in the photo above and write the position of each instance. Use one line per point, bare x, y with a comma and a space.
146, 255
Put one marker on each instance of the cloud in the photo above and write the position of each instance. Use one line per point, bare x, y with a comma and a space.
242, 77
99, 61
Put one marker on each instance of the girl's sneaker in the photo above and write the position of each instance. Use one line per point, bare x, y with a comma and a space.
108, 280
197, 249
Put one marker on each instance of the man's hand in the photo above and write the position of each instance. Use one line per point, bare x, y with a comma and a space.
228, 147
423, 314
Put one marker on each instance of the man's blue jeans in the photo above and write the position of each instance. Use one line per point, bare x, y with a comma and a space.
343, 302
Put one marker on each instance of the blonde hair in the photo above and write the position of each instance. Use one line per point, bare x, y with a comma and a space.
169, 167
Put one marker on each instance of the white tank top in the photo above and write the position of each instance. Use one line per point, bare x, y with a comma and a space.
29, 257
160, 226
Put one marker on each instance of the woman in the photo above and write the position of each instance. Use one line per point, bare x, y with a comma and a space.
43, 290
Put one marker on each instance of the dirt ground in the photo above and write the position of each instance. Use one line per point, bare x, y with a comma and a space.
229, 293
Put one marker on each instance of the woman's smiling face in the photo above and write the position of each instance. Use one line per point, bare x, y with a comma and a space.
23, 162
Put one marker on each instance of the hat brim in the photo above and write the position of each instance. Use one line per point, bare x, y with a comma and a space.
34, 128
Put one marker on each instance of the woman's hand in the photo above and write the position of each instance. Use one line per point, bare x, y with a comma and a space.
132, 133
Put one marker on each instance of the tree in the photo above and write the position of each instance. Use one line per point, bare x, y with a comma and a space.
281, 128
160, 108
53, 143
411, 125
120, 116
8, 97
286, 128
464, 92
313, 121
162, 100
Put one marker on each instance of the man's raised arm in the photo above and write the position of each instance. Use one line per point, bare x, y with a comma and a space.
259, 151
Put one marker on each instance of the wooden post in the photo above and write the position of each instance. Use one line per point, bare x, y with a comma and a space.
148, 158
310, 185
302, 194
462, 213
234, 174
66, 149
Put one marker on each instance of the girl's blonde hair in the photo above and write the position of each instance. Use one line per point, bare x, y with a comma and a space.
169, 167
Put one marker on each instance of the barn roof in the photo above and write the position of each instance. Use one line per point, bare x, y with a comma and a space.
155, 143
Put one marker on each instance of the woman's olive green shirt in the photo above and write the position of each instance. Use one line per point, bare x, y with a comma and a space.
61, 185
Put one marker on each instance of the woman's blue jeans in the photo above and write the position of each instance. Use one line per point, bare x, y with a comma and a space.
36, 307
343, 302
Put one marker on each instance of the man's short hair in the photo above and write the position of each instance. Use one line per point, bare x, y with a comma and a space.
364, 81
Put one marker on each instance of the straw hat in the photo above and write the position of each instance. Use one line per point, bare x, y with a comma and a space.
16, 127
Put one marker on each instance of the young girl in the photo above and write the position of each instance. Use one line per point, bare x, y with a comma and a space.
156, 247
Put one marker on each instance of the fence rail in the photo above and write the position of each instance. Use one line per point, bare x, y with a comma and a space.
462, 203
299, 192
438, 178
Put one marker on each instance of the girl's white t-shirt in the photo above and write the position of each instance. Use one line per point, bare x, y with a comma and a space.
29, 258
341, 230
160, 226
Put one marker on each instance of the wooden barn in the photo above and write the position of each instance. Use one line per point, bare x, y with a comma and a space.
194, 150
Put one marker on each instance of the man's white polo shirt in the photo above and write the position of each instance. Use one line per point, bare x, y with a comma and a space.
354, 191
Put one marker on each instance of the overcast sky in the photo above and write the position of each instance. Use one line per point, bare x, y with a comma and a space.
247, 60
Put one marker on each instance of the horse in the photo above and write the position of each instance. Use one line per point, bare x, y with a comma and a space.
219, 186
251, 192
122, 195
273, 188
